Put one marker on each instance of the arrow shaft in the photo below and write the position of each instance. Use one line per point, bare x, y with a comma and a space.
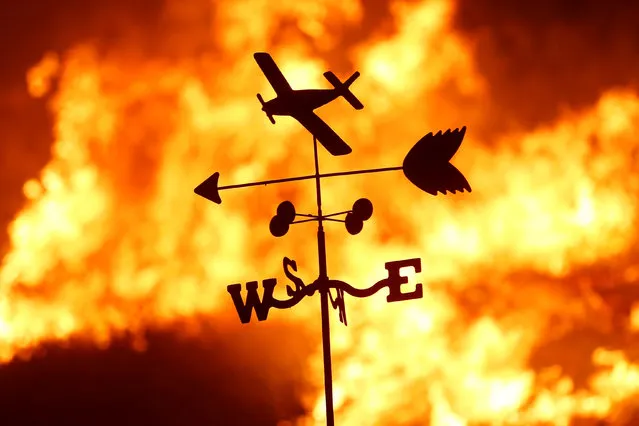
313, 176
360, 172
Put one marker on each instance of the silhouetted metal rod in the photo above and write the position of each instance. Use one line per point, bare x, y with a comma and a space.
324, 294
321, 176
330, 219
314, 216
314, 219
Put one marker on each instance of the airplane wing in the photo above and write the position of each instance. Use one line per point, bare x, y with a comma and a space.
324, 134
272, 72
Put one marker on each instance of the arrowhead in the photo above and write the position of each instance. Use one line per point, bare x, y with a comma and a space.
209, 189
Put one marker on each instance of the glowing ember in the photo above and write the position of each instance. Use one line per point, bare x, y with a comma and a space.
113, 239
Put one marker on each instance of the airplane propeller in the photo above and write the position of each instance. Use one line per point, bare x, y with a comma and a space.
270, 117
427, 166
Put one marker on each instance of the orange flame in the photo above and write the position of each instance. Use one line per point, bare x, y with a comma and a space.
113, 240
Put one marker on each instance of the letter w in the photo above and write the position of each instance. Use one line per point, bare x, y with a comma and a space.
245, 309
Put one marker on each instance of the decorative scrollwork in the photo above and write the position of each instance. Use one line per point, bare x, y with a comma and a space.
394, 282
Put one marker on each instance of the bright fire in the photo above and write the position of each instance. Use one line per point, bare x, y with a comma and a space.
113, 239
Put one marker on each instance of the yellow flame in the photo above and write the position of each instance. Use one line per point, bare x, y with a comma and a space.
112, 238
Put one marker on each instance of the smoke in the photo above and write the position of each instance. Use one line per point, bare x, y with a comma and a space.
214, 379
543, 57
31, 29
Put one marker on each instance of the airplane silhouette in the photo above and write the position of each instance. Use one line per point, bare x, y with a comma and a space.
300, 104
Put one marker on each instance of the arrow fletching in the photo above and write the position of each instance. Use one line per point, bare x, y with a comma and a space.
427, 164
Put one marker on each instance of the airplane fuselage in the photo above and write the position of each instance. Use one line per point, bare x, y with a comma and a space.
299, 100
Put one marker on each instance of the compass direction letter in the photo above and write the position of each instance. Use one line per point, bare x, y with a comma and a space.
396, 280
253, 302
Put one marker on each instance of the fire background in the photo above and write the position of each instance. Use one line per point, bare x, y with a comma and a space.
113, 303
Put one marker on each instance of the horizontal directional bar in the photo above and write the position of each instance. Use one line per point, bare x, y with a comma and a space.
325, 175
210, 190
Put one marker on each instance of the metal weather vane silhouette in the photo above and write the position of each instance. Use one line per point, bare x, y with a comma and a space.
427, 166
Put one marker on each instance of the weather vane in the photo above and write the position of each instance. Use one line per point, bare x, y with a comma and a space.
426, 165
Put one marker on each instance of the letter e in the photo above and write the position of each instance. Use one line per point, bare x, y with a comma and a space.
395, 280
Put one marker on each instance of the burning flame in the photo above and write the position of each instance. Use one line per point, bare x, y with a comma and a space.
113, 240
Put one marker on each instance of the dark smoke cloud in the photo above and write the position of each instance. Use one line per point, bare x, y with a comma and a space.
231, 375
542, 56
31, 28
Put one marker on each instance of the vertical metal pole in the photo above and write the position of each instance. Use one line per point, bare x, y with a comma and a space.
323, 278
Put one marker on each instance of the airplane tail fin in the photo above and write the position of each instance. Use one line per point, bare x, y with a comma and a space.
343, 88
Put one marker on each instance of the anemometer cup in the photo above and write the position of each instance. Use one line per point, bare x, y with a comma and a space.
354, 225
363, 209
281, 222
286, 210
278, 227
